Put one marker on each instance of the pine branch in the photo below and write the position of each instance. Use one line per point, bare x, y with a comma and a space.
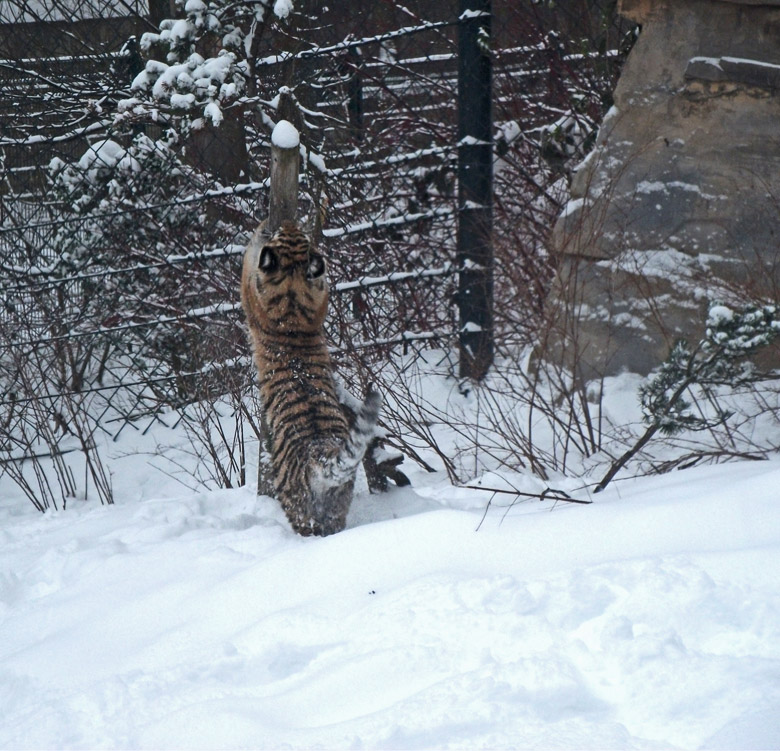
719, 359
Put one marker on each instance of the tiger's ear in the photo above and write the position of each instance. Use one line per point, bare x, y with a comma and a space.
269, 261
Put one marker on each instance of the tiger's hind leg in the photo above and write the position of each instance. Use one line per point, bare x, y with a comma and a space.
340, 467
361, 433
381, 465
331, 475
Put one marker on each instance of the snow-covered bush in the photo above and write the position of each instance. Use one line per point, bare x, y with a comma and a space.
720, 359
129, 205
565, 142
122, 200
196, 84
698, 376
206, 51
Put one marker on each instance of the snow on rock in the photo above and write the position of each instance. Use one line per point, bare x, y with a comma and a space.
572, 206
285, 135
649, 619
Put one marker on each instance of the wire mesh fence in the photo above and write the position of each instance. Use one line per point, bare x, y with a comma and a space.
134, 163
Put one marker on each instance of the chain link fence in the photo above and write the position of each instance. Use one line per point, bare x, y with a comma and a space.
132, 175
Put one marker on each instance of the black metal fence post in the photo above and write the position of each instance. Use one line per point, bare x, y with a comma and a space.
475, 187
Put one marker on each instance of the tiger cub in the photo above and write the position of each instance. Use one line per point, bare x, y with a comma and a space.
314, 452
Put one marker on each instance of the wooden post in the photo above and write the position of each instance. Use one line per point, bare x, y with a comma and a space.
283, 205
475, 189
285, 159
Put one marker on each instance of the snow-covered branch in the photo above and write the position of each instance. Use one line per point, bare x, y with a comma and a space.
393, 221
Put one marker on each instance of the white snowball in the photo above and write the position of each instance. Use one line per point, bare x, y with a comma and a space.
285, 135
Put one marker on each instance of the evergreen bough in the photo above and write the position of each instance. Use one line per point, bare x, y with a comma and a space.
719, 359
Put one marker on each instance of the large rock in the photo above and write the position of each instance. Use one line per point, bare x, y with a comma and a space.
679, 202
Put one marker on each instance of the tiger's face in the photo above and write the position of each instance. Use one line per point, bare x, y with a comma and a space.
284, 284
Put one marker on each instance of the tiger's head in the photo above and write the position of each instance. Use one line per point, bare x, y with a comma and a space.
284, 284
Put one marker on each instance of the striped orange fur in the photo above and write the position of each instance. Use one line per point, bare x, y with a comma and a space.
314, 451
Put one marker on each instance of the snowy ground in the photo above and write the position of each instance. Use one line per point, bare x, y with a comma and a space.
185, 619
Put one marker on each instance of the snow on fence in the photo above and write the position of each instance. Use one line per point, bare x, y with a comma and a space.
123, 216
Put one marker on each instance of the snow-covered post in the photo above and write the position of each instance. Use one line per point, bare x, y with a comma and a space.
285, 158
475, 189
